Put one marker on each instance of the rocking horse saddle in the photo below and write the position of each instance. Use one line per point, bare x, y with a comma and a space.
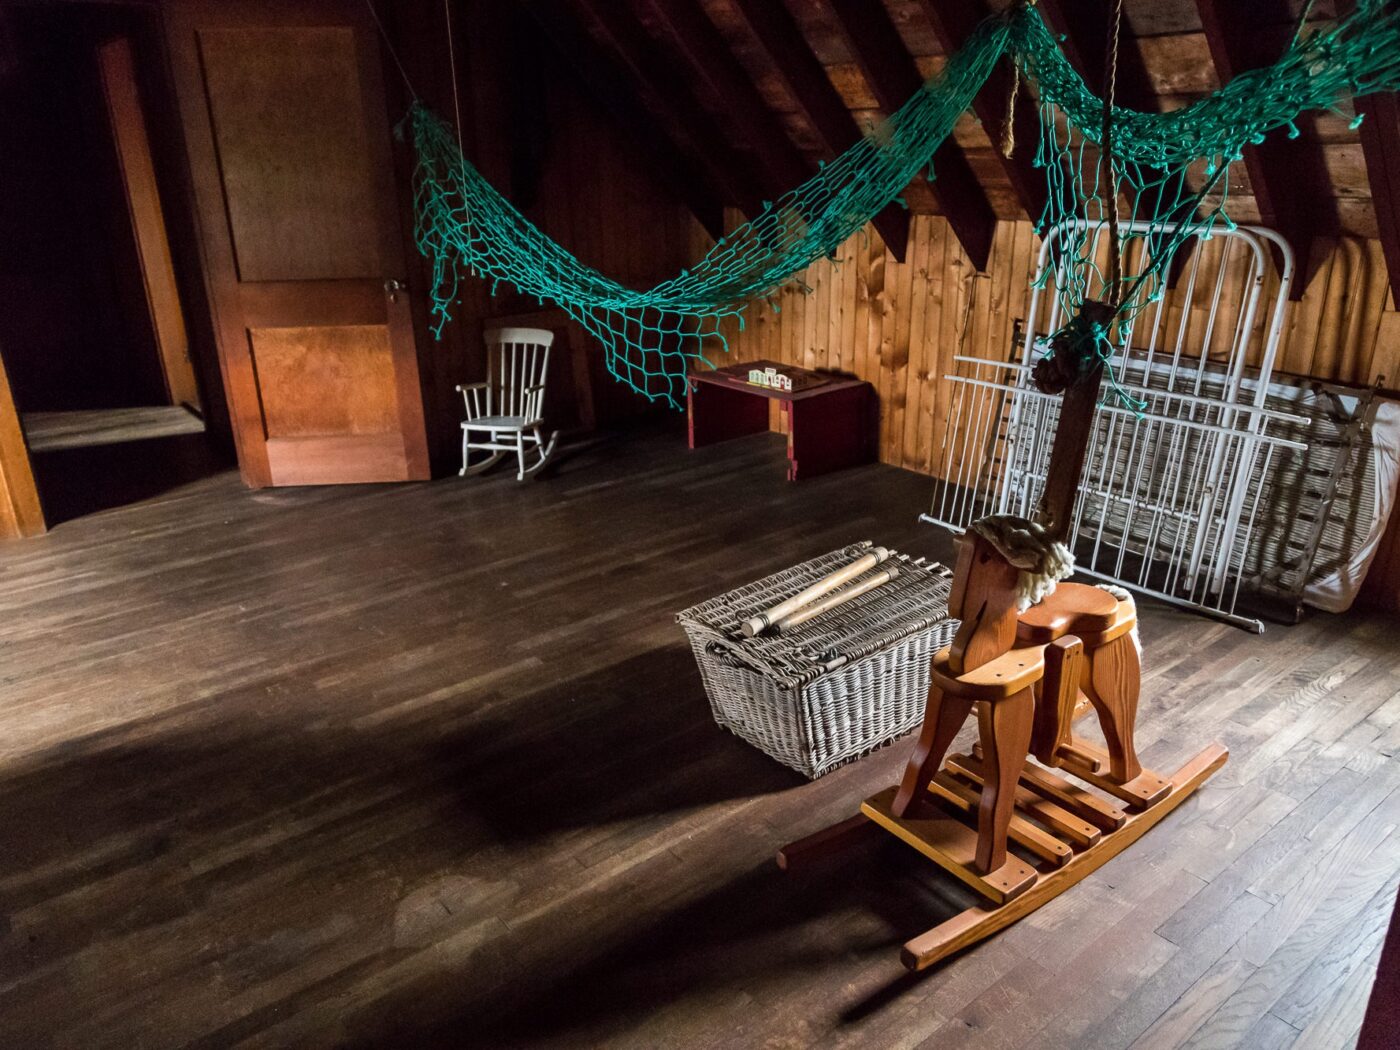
1087, 612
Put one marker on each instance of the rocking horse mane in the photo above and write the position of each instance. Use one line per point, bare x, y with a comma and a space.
1042, 559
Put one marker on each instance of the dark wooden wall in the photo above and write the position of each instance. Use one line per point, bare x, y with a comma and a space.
75, 329
75, 326
576, 173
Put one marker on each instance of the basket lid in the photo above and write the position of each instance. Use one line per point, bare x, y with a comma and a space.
913, 601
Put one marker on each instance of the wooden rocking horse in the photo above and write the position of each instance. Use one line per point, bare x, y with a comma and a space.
1025, 653
1029, 673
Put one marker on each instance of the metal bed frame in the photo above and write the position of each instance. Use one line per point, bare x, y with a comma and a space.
1168, 500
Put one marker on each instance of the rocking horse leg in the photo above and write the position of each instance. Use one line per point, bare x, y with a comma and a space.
1113, 683
943, 716
1005, 727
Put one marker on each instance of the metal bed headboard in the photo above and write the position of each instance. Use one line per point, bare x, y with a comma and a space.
1168, 499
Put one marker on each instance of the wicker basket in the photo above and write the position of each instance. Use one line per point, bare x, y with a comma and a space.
836, 687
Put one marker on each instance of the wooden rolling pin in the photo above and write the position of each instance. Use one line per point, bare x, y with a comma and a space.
761, 622
831, 601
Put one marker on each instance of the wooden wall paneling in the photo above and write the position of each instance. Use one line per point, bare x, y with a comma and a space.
860, 312
1305, 316
900, 326
946, 301
928, 231
850, 318
128, 124
1384, 368
1339, 324
880, 306
897, 341
20, 511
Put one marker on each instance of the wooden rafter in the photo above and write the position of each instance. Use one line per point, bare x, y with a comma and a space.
672, 164
891, 73
1289, 176
1082, 26
708, 56
777, 33
1380, 143
953, 22
647, 71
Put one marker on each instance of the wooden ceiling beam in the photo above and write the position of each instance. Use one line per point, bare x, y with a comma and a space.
671, 163
1380, 144
890, 71
1289, 176
707, 54
1083, 27
953, 21
644, 71
778, 34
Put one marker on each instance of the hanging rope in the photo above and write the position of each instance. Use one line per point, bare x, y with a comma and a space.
1115, 257
1168, 165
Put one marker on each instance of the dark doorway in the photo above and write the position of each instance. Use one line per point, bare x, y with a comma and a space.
103, 325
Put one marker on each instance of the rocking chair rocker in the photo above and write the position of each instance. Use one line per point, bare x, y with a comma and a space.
508, 407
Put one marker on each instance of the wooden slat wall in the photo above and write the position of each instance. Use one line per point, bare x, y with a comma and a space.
899, 325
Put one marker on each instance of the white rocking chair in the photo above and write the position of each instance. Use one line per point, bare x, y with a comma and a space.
508, 407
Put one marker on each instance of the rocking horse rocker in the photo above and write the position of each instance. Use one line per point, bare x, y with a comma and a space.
1030, 657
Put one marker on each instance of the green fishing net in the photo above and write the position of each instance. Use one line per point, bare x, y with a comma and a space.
1168, 167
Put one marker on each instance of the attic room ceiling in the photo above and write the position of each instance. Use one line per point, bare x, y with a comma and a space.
749, 96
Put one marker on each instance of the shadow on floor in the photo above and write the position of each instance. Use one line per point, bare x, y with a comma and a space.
718, 952
75, 482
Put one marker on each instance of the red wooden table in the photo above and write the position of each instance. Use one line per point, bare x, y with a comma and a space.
831, 419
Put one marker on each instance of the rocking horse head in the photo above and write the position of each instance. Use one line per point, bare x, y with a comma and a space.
1005, 565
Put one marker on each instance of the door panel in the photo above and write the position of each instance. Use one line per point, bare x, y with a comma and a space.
290, 131
349, 365
289, 149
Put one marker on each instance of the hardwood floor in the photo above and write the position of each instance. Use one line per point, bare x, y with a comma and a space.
431, 764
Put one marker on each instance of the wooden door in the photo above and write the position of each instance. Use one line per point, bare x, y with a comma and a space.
289, 147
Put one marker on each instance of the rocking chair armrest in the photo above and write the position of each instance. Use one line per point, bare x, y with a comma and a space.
477, 399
